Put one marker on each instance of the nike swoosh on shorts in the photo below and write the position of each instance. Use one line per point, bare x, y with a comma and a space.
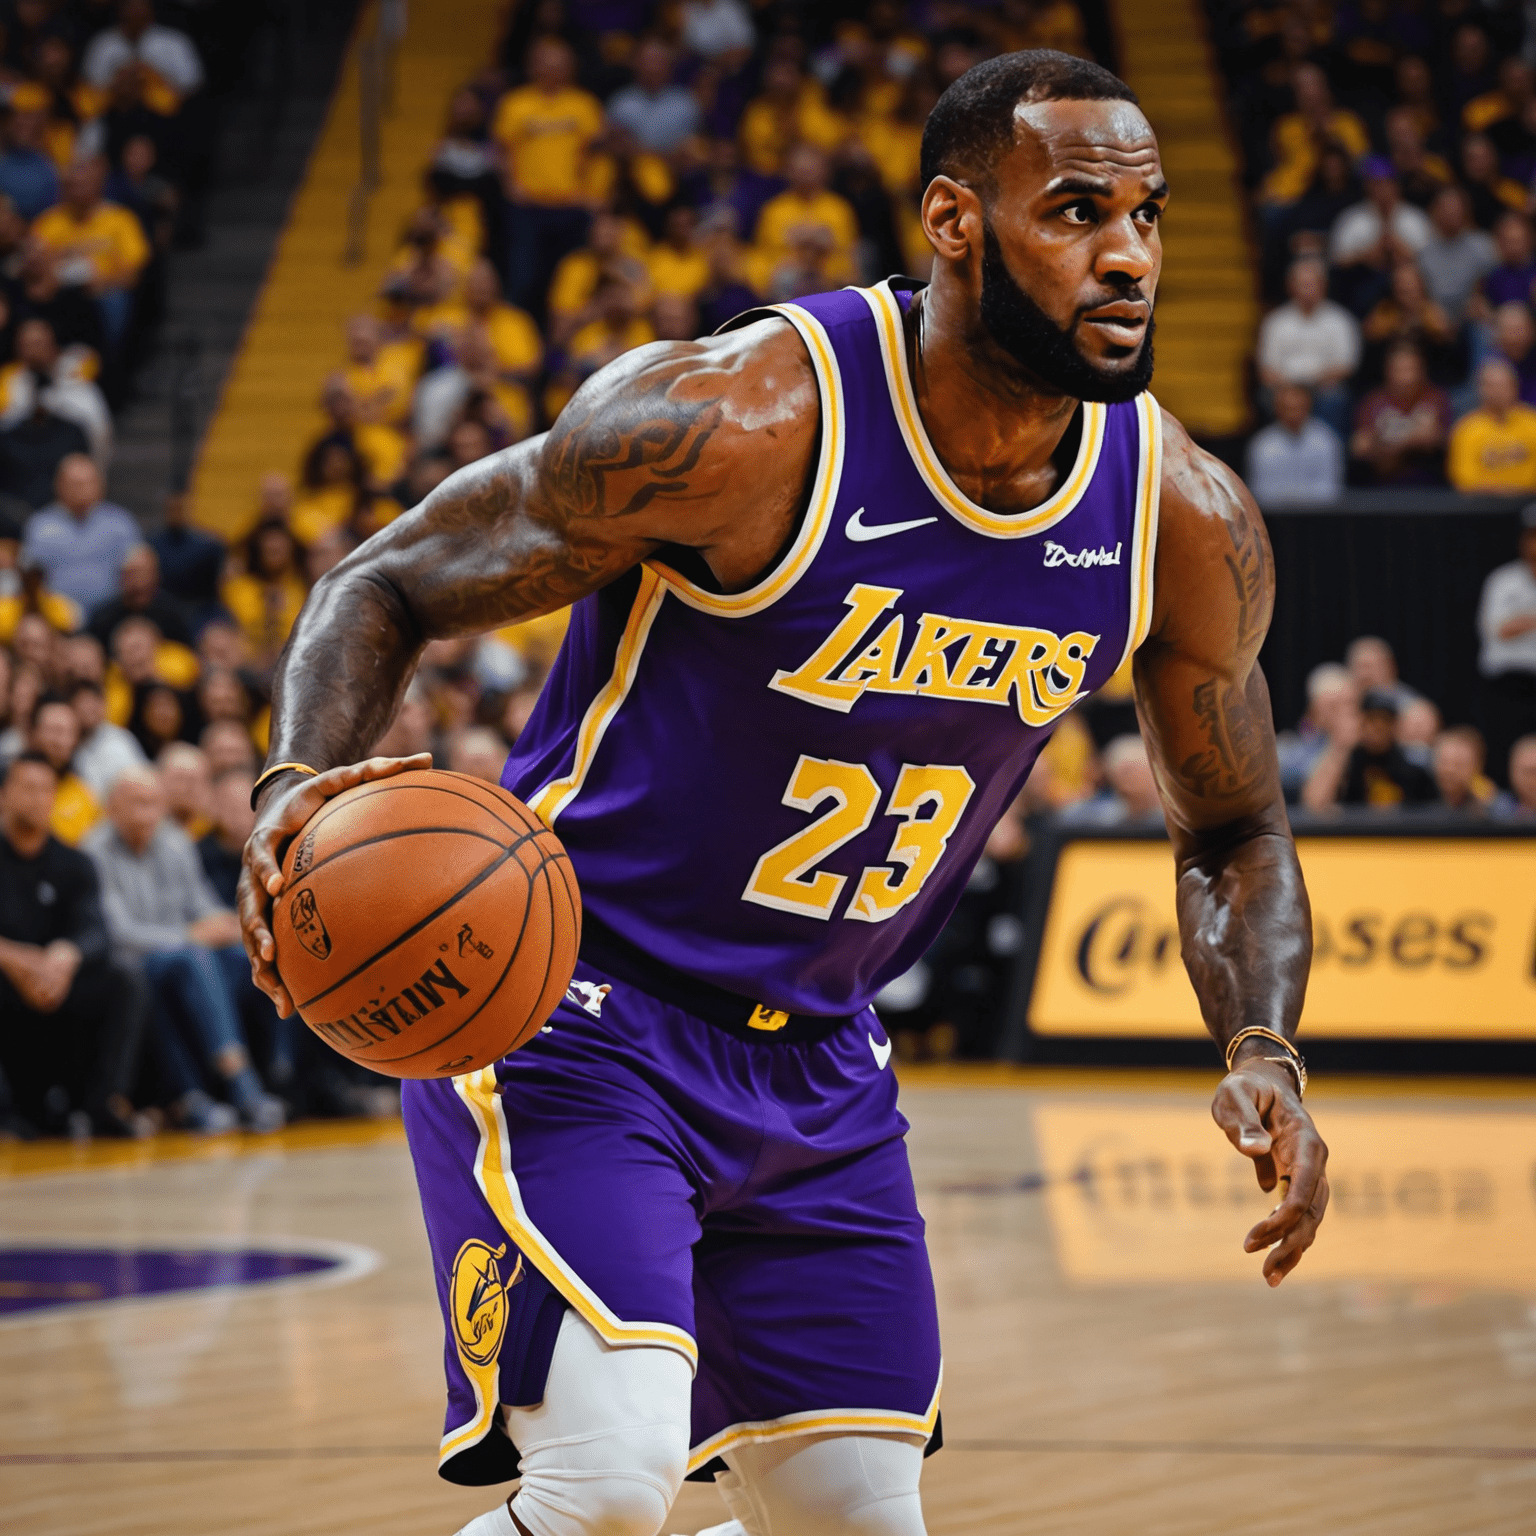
881, 1053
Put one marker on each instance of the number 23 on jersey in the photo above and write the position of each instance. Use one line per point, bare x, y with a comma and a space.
929, 801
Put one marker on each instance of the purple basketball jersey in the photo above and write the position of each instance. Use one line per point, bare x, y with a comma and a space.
783, 791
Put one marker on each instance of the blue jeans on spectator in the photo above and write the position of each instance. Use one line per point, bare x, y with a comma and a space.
115, 306
193, 982
537, 237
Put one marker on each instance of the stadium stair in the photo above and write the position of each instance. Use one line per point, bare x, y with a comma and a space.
1207, 307
269, 407
266, 137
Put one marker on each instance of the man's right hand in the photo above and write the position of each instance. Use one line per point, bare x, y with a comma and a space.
282, 813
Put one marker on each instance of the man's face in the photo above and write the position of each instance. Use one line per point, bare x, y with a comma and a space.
136, 809
1378, 730
90, 709
56, 734
140, 576
78, 484
1455, 769
1522, 774
26, 802
1071, 252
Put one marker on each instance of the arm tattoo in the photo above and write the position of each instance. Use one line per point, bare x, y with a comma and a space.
1247, 564
1235, 762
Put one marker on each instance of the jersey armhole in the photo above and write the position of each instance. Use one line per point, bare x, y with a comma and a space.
829, 469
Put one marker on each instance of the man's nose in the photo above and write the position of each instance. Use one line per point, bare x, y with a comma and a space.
1125, 254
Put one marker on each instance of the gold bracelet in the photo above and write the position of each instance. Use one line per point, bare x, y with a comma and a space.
1292, 1058
272, 772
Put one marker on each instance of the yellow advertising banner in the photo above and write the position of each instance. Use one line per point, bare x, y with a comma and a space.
1429, 937
1139, 1193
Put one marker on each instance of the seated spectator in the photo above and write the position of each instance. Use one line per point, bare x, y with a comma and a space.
73, 1019
105, 750
547, 130
1510, 281
807, 205
28, 176
678, 266
32, 451
478, 751
1419, 173
331, 487
79, 540
511, 333
95, 245
380, 448
1401, 428
1407, 314
227, 745
473, 384
620, 327
613, 252
1506, 626
54, 736
166, 921
380, 377
1297, 457
1514, 339
659, 114
1372, 665
1333, 714
266, 597
1418, 728
156, 679
191, 561
1493, 448
1369, 239
1372, 771
141, 595
1521, 805
24, 594
1297, 136
726, 295
187, 786
1313, 342
43, 375
231, 821
1493, 193
171, 56
1130, 794
469, 442
1458, 772
1458, 255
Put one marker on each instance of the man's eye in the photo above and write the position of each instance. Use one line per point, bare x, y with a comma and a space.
1149, 214
1080, 212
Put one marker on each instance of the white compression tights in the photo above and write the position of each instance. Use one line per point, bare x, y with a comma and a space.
605, 1452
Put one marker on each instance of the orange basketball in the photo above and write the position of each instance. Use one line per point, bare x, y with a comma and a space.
429, 923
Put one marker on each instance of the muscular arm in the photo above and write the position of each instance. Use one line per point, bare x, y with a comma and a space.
704, 444
1244, 919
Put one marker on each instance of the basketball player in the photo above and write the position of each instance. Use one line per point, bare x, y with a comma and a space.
836, 574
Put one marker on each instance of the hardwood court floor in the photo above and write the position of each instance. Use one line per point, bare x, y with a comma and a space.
1113, 1363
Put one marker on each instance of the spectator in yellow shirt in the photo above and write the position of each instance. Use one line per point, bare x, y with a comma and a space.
547, 129
380, 376
807, 206
1299, 136
619, 327
265, 599
678, 265
56, 733
1494, 447
513, 336
95, 245
789, 110
613, 251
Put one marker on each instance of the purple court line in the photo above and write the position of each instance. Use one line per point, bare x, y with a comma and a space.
1054, 1447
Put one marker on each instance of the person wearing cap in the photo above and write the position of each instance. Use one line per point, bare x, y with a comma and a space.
1506, 625
1373, 770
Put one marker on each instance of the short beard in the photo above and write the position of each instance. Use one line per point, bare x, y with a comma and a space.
1038, 345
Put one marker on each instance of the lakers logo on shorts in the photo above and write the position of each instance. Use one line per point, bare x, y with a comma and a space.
477, 1299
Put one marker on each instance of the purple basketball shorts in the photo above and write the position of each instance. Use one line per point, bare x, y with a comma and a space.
738, 1195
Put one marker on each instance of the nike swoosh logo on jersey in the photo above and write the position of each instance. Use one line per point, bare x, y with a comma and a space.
881, 1053
861, 532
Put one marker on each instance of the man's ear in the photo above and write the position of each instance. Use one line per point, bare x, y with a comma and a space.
952, 218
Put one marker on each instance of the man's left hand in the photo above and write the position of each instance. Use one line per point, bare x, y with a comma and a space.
1257, 1105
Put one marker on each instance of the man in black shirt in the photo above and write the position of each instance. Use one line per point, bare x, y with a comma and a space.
1379, 773
70, 1020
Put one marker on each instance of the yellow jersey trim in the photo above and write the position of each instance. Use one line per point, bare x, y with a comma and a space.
861, 1421
893, 352
818, 516
548, 802
493, 1173
1149, 491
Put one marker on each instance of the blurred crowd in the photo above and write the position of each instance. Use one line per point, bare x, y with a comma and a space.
1390, 151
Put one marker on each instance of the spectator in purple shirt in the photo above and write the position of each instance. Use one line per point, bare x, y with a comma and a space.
1510, 281
1514, 339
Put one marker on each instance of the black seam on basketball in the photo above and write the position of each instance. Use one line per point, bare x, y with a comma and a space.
431, 917
464, 1023
385, 837
380, 786
549, 953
